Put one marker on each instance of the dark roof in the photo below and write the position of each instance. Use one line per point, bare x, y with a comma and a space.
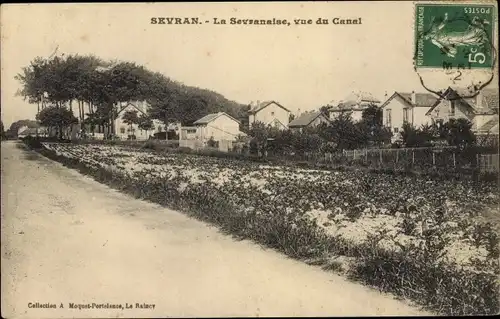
259, 106
344, 105
489, 125
358, 97
210, 117
489, 100
305, 119
421, 99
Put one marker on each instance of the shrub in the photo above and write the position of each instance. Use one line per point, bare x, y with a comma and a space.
415, 271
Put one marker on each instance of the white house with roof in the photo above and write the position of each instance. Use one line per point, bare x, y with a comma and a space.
403, 107
481, 109
354, 104
308, 119
123, 130
270, 113
217, 126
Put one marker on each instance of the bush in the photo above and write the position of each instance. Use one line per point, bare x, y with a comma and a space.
415, 272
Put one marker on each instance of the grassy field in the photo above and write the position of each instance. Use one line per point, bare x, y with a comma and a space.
434, 242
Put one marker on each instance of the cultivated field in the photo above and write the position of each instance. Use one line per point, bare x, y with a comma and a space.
418, 238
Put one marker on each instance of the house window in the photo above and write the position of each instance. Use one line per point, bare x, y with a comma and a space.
272, 113
191, 131
388, 118
452, 108
122, 130
396, 130
405, 115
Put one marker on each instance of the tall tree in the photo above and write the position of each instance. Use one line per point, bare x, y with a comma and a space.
130, 118
57, 117
145, 123
459, 133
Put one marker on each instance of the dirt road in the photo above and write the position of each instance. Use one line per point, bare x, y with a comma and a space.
68, 239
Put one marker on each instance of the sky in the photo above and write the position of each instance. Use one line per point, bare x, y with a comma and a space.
301, 66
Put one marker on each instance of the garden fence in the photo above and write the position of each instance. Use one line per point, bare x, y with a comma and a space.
447, 158
489, 162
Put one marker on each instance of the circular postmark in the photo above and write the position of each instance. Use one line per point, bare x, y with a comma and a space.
454, 47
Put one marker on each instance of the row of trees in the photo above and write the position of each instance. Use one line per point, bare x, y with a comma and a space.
455, 132
342, 133
92, 88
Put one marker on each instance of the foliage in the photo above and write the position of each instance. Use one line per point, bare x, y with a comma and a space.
56, 117
458, 132
372, 128
416, 137
130, 117
102, 84
325, 110
145, 122
346, 134
212, 143
276, 215
259, 133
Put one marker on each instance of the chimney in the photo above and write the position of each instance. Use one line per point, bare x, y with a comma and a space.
258, 103
479, 100
413, 98
385, 95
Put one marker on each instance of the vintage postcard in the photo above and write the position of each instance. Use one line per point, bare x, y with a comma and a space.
249, 159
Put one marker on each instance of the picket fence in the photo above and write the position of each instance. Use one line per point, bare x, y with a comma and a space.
425, 157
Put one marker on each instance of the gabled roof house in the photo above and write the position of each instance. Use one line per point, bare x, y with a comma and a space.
309, 119
270, 113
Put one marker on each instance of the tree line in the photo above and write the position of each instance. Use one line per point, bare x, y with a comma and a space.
336, 134
92, 88
342, 133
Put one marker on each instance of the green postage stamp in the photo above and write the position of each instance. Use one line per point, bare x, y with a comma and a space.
454, 36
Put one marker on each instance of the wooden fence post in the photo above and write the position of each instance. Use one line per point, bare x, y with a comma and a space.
433, 159
366, 156
397, 155
354, 155
454, 163
412, 157
380, 156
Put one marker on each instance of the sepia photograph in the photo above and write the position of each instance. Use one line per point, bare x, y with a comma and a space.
249, 159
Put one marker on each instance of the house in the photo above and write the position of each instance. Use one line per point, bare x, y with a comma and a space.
21, 129
308, 119
123, 130
32, 131
481, 110
270, 113
354, 104
409, 108
217, 126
